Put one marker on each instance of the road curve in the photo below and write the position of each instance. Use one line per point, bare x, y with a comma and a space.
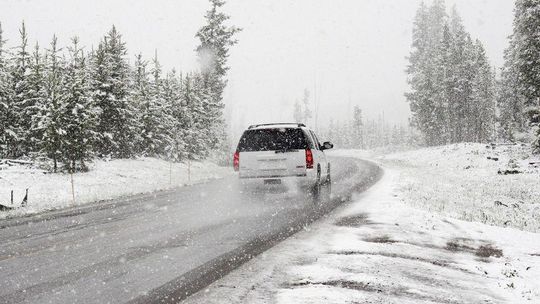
157, 248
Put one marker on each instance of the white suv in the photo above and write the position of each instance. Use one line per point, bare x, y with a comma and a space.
282, 152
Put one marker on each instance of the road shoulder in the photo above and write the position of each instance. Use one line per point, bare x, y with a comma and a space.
379, 250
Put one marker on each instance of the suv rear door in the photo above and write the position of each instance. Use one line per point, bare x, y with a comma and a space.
273, 152
320, 155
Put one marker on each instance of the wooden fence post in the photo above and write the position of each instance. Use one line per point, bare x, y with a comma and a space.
25, 199
72, 185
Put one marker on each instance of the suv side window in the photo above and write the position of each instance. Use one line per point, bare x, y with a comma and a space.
316, 140
311, 141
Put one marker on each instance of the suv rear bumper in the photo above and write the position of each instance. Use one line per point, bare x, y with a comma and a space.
307, 179
273, 176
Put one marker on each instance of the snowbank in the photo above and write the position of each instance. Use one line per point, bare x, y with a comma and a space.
105, 180
497, 185
381, 250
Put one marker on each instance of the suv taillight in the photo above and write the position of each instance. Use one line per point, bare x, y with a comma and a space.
236, 161
309, 159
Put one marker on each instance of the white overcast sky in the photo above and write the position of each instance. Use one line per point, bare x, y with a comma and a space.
351, 52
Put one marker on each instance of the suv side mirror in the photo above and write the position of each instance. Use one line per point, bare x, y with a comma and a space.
327, 145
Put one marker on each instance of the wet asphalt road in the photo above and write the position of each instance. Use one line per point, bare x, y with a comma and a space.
157, 248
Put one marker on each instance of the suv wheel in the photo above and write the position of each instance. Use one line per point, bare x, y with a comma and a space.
328, 176
316, 190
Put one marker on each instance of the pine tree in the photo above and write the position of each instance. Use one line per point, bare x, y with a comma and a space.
460, 86
527, 59
418, 77
483, 99
18, 101
358, 128
195, 144
117, 122
510, 102
37, 101
426, 103
330, 134
157, 121
51, 112
215, 40
298, 114
442, 86
5, 119
307, 108
78, 114
172, 91
450, 78
140, 94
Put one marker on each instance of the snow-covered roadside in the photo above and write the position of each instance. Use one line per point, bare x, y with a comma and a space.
381, 250
105, 180
472, 182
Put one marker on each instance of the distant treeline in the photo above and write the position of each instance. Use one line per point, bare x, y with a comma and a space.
72, 105
518, 95
358, 132
455, 95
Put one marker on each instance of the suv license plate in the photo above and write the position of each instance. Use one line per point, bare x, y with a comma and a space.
272, 182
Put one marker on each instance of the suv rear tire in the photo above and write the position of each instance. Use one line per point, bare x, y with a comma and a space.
328, 176
316, 189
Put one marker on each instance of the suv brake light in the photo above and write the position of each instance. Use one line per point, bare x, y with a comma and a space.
309, 159
236, 161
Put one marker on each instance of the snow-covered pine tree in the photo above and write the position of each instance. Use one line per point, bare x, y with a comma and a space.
455, 81
78, 115
460, 86
358, 128
527, 47
395, 136
172, 92
157, 122
416, 72
441, 72
511, 118
331, 134
466, 92
117, 123
140, 95
210, 120
307, 107
423, 89
442, 78
298, 114
5, 121
215, 40
37, 96
195, 141
437, 65
483, 98
51, 112
18, 100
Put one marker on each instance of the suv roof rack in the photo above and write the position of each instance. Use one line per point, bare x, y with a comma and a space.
279, 123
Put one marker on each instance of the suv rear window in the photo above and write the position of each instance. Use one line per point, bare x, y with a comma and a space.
273, 140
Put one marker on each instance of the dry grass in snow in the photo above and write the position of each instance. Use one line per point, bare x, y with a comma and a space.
496, 185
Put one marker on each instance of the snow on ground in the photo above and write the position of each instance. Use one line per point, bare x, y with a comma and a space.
382, 250
105, 180
468, 182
